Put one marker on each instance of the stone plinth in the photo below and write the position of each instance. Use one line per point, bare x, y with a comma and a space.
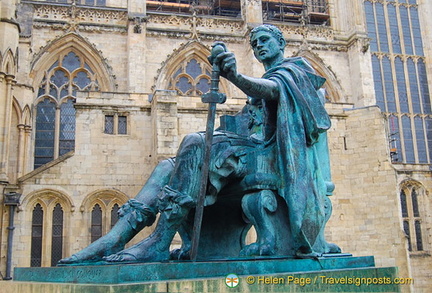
150, 272
348, 280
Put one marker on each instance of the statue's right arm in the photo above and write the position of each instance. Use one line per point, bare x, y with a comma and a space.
258, 88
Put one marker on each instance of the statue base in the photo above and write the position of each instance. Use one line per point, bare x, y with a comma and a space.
324, 274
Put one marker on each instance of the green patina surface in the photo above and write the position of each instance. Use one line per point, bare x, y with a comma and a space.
347, 280
147, 272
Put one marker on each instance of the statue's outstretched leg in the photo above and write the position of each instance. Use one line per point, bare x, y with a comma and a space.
258, 208
133, 217
174, 207
175, 201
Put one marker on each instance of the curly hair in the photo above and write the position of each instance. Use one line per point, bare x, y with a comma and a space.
273, 30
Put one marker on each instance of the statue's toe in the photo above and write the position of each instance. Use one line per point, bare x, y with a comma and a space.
120, 257
69, 260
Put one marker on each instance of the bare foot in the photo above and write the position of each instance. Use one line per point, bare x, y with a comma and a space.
148, 250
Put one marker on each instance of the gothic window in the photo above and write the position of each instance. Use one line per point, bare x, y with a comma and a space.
45, 128
96, 223
116, 123
297, 11
104, 215
114, 214
55, 112
36, 236
57, 235
192, 78
411, 216
399, 72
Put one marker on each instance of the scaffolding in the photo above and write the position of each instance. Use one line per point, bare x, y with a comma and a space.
200, 7
296, 11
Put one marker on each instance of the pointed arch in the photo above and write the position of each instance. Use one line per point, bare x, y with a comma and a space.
48, 198
47, 231
72, 42
8, 64
26, 115
17, 108
413, 208
332, 86
106, 198
179, 59
98, 208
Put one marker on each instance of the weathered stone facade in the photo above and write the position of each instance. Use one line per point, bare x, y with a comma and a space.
133, 55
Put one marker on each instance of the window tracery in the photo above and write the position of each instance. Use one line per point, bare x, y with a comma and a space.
191, 78
400, 78
410, 199
67, 75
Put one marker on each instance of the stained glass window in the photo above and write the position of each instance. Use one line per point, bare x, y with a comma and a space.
192, 78
57, 235
68, 74
109, 124
116, 124
122, 125
96, 223
45, 127
410, 199
67, 127
419, 239
407, 234
403, 204
36, 236
400, 78
114, 215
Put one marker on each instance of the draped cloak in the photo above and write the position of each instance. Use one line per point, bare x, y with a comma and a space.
301, 119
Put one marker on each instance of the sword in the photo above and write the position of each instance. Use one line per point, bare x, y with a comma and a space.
212, 97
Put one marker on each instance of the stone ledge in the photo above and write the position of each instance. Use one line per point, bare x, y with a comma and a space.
346, 280
174, 270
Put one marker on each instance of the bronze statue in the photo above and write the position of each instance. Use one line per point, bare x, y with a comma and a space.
268, 167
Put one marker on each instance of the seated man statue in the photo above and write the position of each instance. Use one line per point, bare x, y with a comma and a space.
285, 139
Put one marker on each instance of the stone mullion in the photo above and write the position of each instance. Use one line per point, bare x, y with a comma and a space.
428, 147
26, 159
115, 122
57, 132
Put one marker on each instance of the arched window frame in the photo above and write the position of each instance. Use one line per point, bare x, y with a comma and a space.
49, 199
108, 200
68, 74
182, 71
49, 59
174, 65
412, 196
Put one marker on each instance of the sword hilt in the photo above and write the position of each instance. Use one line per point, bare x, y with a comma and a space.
213, 96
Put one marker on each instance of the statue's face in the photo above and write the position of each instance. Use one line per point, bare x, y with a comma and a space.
266, 47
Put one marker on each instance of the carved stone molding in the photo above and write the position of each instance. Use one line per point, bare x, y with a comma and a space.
80, 18
179, 26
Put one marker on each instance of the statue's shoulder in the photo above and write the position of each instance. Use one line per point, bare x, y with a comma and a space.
300, 62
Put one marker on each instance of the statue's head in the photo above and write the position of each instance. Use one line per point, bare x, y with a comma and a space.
268, 44
271, 29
